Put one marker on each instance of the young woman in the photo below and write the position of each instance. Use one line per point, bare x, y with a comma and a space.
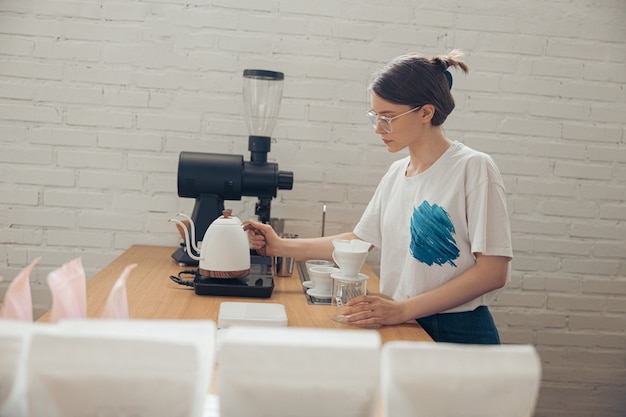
438, 215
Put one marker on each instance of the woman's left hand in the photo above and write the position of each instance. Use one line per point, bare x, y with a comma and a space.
370, 310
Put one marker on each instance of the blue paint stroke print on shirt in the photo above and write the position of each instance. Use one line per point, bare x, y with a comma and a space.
432, 240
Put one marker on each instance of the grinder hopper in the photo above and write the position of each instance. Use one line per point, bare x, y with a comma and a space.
262, 93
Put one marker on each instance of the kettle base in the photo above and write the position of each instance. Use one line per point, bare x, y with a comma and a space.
259, 283
224, 274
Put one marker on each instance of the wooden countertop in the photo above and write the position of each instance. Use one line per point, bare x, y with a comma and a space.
152, 295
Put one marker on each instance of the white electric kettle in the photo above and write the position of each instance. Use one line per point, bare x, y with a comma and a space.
224, 251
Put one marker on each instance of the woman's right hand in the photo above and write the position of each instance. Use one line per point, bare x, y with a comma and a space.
262, 238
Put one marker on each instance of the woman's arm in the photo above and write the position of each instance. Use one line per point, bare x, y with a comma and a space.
310, 248
489, 273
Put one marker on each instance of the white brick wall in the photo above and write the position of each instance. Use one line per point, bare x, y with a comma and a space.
98, 98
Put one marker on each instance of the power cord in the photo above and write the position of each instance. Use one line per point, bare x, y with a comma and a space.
180, 281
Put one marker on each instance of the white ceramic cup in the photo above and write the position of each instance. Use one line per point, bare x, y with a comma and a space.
317, 262
349, 263
322, 280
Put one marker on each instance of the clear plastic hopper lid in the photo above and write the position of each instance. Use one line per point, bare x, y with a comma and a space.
262, 93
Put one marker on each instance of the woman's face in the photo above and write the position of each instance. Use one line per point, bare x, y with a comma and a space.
405, 129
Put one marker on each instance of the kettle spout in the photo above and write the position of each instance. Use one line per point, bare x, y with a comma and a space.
192, 226
187, 242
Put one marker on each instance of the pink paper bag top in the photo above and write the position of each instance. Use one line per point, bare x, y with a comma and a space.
68, 287
18, 303
116, 306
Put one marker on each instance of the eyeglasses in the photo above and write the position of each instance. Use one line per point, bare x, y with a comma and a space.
384, 121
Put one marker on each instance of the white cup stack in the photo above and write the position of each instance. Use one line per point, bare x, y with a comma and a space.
322, 281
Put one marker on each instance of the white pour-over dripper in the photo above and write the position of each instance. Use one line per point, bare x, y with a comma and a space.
351, 245
350, 255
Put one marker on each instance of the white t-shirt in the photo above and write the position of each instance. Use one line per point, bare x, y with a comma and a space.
429, 226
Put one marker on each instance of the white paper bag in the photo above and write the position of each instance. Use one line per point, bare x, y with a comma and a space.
117, 367
451, 380
14, 348
282, 372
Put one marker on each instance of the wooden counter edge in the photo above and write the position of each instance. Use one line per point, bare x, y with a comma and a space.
152, 295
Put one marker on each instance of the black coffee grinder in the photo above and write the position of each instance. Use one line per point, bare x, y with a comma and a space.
212, 178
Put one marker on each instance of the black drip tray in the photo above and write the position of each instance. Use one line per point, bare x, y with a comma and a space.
304, 276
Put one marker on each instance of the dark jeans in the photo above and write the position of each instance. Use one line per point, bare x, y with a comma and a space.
471, 327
